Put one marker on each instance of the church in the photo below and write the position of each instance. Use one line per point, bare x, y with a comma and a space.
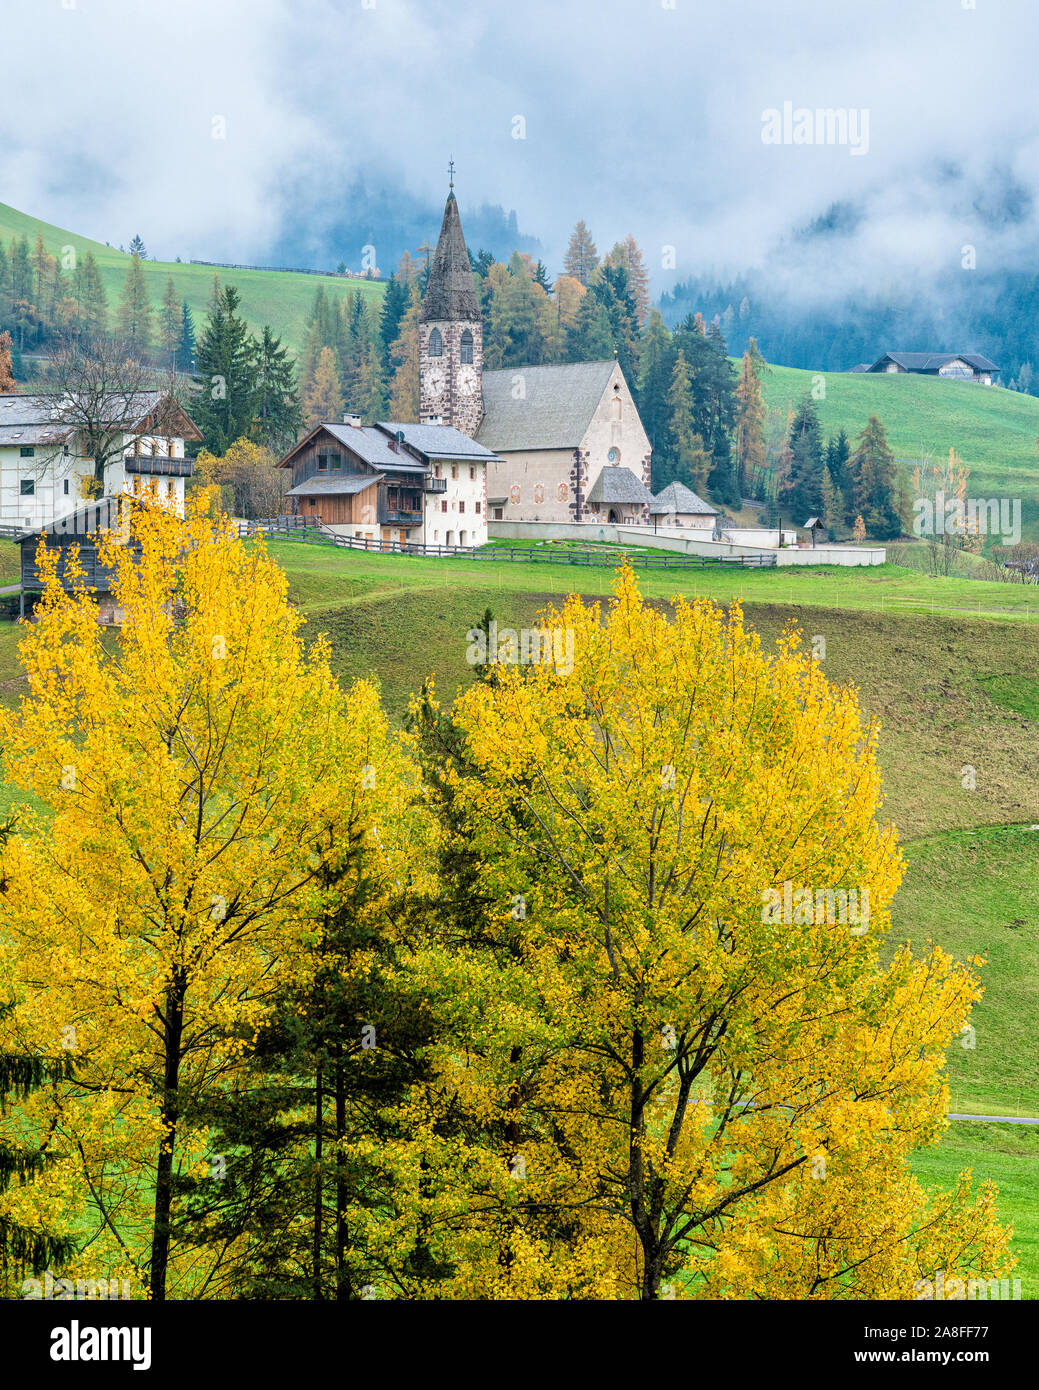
566, 440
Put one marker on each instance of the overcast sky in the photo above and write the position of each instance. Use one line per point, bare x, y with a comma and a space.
640, 115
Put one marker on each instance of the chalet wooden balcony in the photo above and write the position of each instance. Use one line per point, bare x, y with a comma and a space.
434, 485
158, 465
399, 518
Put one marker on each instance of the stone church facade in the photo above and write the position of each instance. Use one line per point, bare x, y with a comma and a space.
554, 429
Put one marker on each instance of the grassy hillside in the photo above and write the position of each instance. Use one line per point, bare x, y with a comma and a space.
279, 298
949, 687
994, 431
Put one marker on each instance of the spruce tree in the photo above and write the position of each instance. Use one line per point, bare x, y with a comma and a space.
875, 486
278, 413
591, 338
394, 305
186, 346
226, 374
803, 492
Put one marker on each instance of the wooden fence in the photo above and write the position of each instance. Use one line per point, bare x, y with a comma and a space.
300, 528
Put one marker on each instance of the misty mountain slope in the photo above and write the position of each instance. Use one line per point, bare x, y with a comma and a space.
279, 298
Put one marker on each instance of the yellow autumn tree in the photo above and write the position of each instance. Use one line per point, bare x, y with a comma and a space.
192, 777
707, 1077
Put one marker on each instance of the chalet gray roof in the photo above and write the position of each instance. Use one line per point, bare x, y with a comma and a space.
676, 497
615, 484
451, 291
438, 441
29, 420
342, 484
555, 411
33, 419
860, 367
931, 361
364, 441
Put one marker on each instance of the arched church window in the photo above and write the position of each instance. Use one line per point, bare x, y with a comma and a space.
514, 493
467, 346
615, 408
436, 344
539, 492
562, 491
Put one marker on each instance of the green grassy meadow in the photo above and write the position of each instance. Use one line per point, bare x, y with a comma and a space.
279, 298
994, 431
948, 667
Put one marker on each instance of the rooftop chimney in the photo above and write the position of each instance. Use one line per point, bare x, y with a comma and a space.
354, 420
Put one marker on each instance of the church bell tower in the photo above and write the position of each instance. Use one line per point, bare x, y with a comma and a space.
451, 333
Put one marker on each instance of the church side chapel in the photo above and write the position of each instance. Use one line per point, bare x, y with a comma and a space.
567, 441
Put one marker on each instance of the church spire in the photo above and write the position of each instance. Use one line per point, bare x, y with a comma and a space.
450, 293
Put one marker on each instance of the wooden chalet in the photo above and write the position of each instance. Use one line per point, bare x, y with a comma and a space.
389, 481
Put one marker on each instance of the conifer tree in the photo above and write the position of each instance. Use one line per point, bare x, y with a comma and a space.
591, 337
226, 373
751, 457
875, 491
278, 413
833, 504
690, 461
581, 256
170, 322
656, 362
186, 346
802, 492
322, 399
135, 311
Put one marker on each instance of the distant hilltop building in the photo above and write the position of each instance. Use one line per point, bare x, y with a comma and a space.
552, 431
959, 366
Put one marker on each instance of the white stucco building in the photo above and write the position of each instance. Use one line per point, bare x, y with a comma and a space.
46, 464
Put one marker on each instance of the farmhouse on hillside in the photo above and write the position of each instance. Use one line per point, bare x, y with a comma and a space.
392, 482
45, 461
552, 430
958, 366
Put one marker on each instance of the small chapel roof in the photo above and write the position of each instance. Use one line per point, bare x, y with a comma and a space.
618, 485
553, 411
676, 497
451, 292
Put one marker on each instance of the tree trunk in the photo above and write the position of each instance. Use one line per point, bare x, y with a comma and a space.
170, 1113
640, 1214
318, 1185
343, 1289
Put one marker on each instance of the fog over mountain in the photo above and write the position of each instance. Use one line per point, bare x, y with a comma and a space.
300, 131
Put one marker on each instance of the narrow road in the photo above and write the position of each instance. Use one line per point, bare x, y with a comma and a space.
997, 1119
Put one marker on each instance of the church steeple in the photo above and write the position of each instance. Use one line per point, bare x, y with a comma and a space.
451, 333
450, 293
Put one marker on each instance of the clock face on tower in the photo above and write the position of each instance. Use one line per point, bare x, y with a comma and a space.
435, 379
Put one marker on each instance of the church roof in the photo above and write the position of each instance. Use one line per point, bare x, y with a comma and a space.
555, 410
451, 293
618, 485
676, 497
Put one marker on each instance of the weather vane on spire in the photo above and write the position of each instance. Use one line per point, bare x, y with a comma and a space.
451, 173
